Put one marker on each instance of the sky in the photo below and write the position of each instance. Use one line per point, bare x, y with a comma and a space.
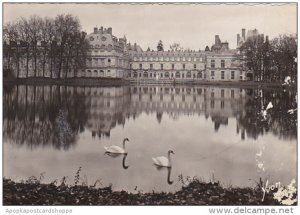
192, 25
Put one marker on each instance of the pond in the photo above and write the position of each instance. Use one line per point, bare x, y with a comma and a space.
216, 133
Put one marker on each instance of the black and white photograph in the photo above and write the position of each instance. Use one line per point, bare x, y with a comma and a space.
149, 104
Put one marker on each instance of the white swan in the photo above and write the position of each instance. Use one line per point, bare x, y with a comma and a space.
116, 149
163, 161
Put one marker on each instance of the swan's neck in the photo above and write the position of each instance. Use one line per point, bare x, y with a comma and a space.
124, 141
170, 160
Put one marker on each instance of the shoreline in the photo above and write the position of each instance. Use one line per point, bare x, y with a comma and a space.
121, 82
195, 193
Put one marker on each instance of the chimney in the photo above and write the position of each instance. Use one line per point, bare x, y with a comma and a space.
238, 39
101, 30
244, 34
109, 30
95, 30
217, 40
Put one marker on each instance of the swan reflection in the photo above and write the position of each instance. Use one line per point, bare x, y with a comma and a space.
114, 155
162, 168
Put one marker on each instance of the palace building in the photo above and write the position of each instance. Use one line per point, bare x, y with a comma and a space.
108, 56
113, 57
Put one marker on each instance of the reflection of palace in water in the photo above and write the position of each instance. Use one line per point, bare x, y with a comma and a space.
218, 103
106, 107
32, 114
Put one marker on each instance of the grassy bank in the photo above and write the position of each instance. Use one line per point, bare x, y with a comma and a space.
195, 193
68, 81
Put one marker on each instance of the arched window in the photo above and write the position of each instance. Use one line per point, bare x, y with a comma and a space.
177, 75
167, 75
101, 73
145, 75
199, 75
135, 74
188, 75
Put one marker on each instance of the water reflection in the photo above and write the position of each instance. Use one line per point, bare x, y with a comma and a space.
55, 115
114, 155
212, 129
169, 170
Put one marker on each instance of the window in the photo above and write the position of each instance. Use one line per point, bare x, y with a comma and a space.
222, 93
222, 75
195, 66
173, 66
222, 63
167, 75
232, 74
161, 66
130, 66
199, 75
222, 104
183, 75
151, 66
183, 66
150, 75
141, 66
212, 63
145, 74
108, 60
188, 75
134, 74
177, 75
212, 74
232, 94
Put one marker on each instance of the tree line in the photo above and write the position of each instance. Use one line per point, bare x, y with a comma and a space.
37, 45
270, 60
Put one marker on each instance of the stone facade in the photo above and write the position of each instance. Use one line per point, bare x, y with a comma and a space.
112, 57
167, 65
108, 56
